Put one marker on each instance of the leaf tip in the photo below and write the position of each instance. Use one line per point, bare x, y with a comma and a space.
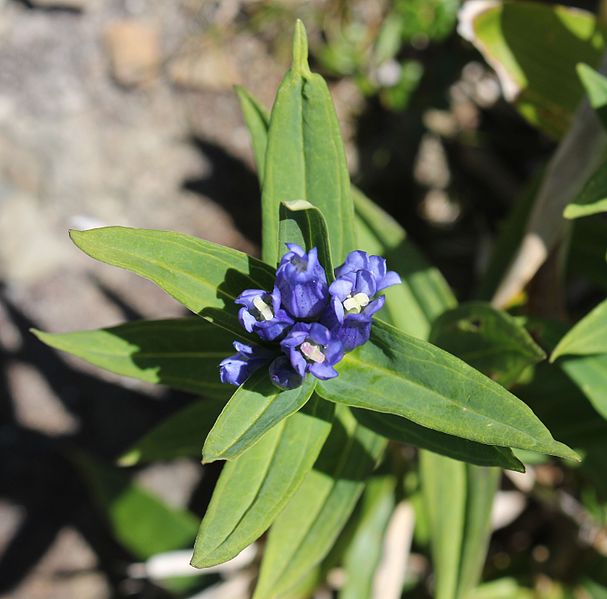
130, 458
563, 451
300, 49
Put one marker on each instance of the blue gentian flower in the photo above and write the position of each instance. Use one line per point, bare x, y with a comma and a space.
312, 348
353, 297
375, 265
236, 369
261, 313
309, 324
302, 282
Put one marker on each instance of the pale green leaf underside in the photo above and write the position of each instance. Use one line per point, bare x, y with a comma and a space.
595, 85
589, 373
404, 431
181, 353
255, 408
204, 276
254, 488
588, 336
414, 379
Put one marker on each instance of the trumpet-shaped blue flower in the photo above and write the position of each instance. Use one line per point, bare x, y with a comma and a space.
261, 313
358, 260
302, 282
312, 348
236, 369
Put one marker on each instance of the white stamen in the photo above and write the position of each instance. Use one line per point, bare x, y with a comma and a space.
265, 310
354, 304
312, 352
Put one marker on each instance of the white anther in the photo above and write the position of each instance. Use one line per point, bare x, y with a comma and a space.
355, 304
265, 310
312, 352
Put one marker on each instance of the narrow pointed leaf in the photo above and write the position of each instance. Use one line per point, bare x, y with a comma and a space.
307, 528
257, 121
204, 276
414, 379
182, 353
593, 197
404, 431
488, 339
139, 520
444, 492
253, 489
304, 224
305, 158
255, 408
364, 552
180, 435
588, 336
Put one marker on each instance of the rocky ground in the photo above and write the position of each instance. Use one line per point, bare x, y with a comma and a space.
111, 112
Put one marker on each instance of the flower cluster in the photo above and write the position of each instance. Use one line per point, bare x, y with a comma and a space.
309, 324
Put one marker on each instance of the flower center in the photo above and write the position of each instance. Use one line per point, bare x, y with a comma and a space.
264, 309
312, 352
354, 304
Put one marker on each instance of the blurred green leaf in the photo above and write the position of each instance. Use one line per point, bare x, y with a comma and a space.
588, 336
204, 276
309, 525
256, 406
254, 488
537, 71
589, 373
595, 85
393, 365
593, 197
182, 353
140, 521
257, 121
180, 435
490, 340
305, 158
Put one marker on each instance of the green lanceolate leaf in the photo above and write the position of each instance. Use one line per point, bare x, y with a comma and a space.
424, 294
257, 121
414, 379
593, 197
256, 406
182, 353
253, 489
588, 336
488, 339
307, 528
537, 72
305, 158
589, 373
140, 521
595, 85
204, 276
180, 435
404, 431
444, 491
304, 224
364, 552
481, 487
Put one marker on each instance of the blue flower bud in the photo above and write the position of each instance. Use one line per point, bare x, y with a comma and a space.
312, 348
236, 369
375, 265
302, 283
261, 313
283, 375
